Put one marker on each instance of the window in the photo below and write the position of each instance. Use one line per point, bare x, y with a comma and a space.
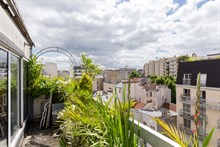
150, 94
3, 96
186, 107
203, 78
187, 76
187, 123
203, 100
187, 79
15, 111
186, 92
203, 96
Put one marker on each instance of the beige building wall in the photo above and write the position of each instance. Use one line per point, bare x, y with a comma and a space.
50, 69
172, 66
212, 109
112, 76
106, 86
159, 67
162, 67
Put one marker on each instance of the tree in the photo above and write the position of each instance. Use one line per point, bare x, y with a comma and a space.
166, 80
135, 74
183, 58
90, 68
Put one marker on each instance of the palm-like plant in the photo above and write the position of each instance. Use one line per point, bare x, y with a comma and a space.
88, 122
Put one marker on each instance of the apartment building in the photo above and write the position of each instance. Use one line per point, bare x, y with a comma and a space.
161, 67
97, 83
15, 49
151, 94
209, 99
77, 71
50, 69
116, 76
156, 94
171, 66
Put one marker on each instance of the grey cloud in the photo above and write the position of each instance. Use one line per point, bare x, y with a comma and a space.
131, 33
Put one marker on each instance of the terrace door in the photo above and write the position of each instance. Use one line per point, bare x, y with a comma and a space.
3, 97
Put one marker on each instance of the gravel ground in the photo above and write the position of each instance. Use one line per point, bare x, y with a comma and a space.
40, 138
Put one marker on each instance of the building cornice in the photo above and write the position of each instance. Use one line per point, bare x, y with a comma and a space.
11, 9
194, 87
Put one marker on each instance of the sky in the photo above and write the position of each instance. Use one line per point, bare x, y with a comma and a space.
119, 33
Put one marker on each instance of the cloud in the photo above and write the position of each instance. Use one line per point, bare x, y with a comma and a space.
120, 33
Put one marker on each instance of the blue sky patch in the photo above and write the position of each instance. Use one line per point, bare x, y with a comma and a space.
180, 2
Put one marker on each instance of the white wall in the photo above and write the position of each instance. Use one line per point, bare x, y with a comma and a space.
9, 29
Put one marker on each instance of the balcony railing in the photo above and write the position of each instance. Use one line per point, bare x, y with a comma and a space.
185, 129
203, 102
187, 99
153, 137
189, 116
185, 114
213, 106
218, 124
186, 81
202, 135
188, 131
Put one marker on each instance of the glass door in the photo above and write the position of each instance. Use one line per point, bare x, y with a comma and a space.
15, 84
3, 97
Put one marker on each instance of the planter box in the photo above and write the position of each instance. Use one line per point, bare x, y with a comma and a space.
56, 108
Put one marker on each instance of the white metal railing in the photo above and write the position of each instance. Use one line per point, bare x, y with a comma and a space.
186, 81
153, 137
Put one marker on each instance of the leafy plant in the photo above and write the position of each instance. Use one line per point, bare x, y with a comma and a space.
88, 122
90, 68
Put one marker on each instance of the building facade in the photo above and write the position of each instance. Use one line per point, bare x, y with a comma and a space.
116, 76
161, 67
15, 49
209, 99
50, 69
151, 94
77, 71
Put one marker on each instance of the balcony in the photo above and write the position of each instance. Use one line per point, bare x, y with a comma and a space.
189, 116
185, 114
185, 129
187, 99
186, 81
153, 137
218, 124
213, 106
202, 135
203, 84
190, 132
